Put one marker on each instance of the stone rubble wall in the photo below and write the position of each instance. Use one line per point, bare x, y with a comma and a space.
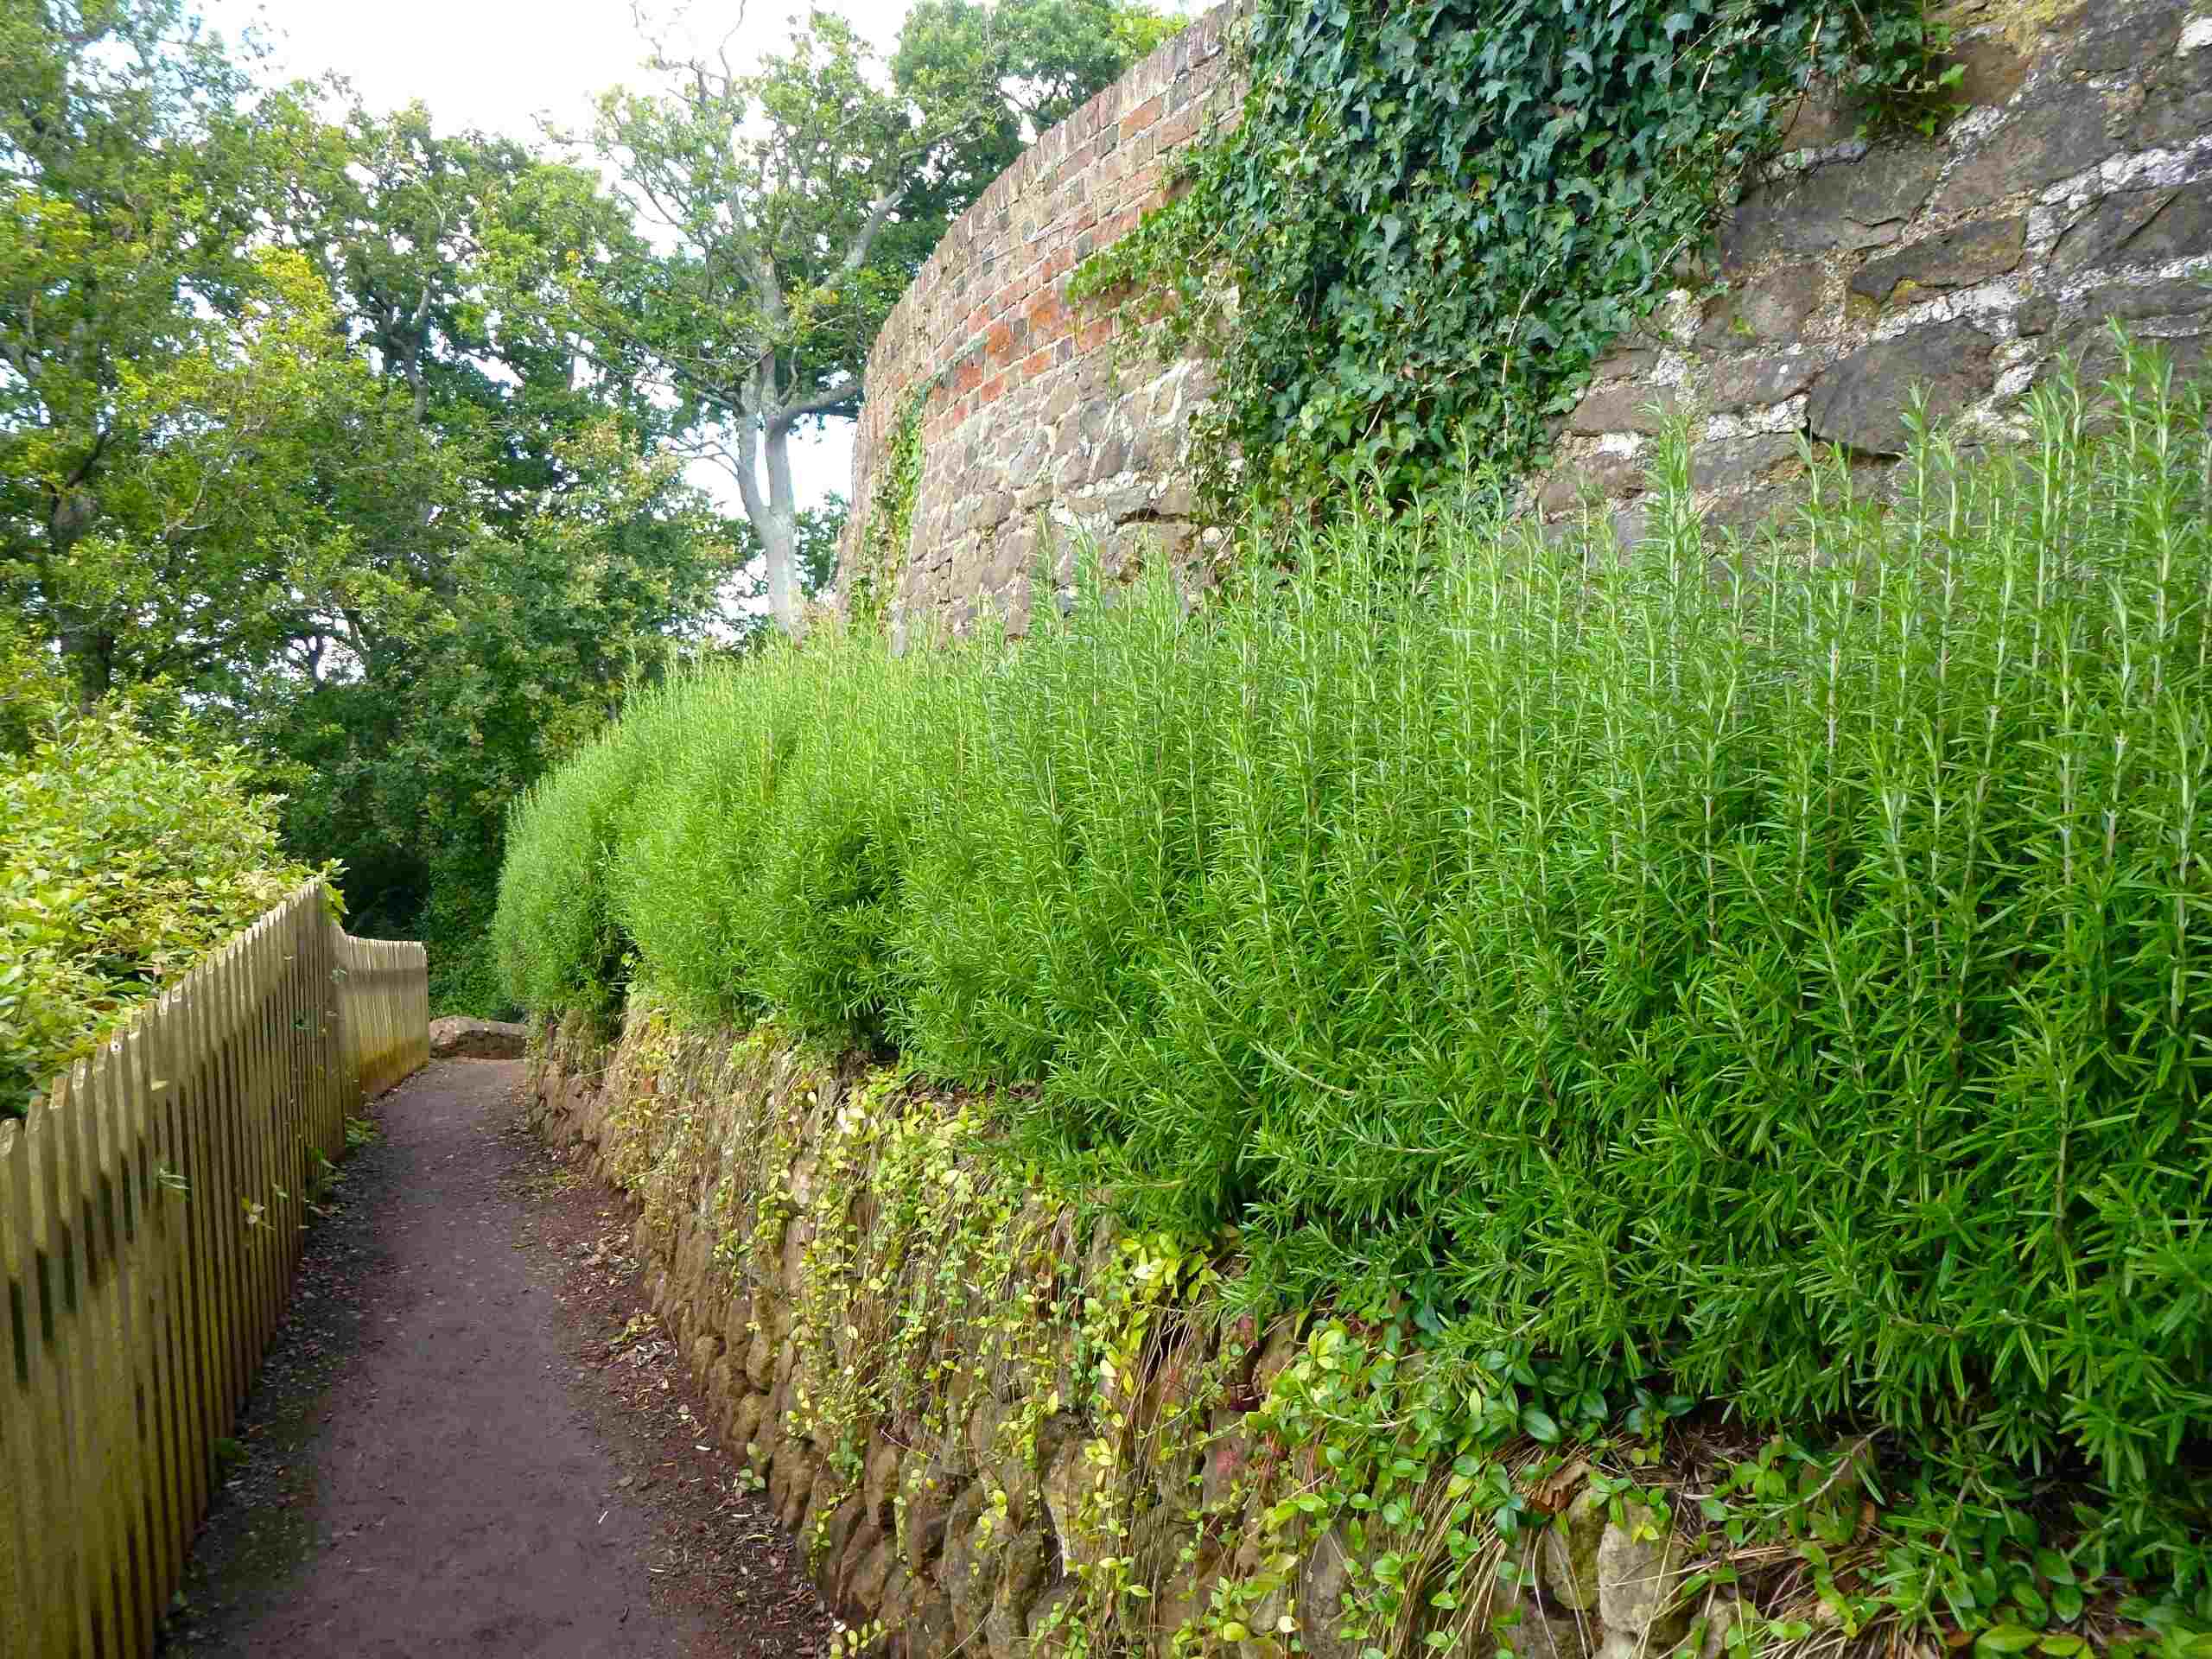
2075, 190
958, 1520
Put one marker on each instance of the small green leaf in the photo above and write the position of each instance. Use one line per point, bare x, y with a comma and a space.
2005, 1638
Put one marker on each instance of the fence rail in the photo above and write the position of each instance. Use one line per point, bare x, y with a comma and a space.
151, 1210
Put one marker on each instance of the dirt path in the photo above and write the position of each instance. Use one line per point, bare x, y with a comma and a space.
440, 1457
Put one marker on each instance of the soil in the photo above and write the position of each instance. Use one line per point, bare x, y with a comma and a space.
471, 1436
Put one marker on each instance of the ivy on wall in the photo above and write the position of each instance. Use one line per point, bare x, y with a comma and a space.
890, 518
1435, 216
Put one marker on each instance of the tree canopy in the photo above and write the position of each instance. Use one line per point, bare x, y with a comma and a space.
371, 439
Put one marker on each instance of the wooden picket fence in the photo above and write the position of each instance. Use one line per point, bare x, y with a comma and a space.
151, 1208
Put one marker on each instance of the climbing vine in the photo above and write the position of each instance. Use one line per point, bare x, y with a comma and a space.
891, 518
1435, 216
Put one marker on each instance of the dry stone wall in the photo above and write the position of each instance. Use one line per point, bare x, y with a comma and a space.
900, 1342
2077, 190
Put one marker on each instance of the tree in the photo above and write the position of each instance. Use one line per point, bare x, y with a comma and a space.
295, 417
545, 551
157, 354
802, 195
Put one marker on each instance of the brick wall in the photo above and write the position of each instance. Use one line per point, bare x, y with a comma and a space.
1024, 413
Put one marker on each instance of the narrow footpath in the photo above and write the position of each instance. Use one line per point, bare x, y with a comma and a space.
468, 1438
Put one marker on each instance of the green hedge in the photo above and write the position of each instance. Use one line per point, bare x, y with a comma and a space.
125, 856
1787, 971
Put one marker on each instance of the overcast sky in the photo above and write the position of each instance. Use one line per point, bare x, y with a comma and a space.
500, 65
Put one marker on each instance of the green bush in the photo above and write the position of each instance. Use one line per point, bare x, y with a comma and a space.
1781, 968
125, 856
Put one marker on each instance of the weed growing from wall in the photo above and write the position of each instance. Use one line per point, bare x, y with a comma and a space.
1434, 217
891, 518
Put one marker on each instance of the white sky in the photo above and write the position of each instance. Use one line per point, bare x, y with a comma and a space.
499, 65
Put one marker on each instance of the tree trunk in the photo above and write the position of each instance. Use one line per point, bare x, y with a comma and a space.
778, 528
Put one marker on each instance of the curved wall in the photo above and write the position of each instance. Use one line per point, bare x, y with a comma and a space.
1023, 410
2077, 189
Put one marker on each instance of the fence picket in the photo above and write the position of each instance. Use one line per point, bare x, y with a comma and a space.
140, 1290
20, 1582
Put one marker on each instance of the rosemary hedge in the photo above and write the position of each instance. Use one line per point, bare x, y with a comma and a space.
1784, 968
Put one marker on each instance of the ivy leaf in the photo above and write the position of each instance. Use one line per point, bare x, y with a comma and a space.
2007, 1638
1540, 1426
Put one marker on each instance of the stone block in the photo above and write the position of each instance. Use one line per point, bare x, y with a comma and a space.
1840, 206
2121, 40
746, 1417
879, 1483
2047, 135
968, 1569
1623, 361
1568, 1559
846, 1511
1322, 1582
1602, 477
868, 1578
1993, 69
1753, 514
2180, 296
1639, 1570
930, 1500
2137, 227
1859, 402
1629, 407
2176, 106
1959, 258
1822, 118
1771, 306
1758, 382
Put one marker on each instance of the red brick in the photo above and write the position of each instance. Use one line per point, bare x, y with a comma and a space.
1047, 316
1141, 117
1034, 364
993, 389
998, 344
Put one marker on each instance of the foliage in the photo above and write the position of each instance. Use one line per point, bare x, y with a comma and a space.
801, 197
1194, 1459
172, 384
295, 419
1043, 59
125, 856
890, 520
1785, 981
1433, 218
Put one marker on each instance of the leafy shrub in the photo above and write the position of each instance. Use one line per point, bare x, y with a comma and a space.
1782, 968
125, 856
